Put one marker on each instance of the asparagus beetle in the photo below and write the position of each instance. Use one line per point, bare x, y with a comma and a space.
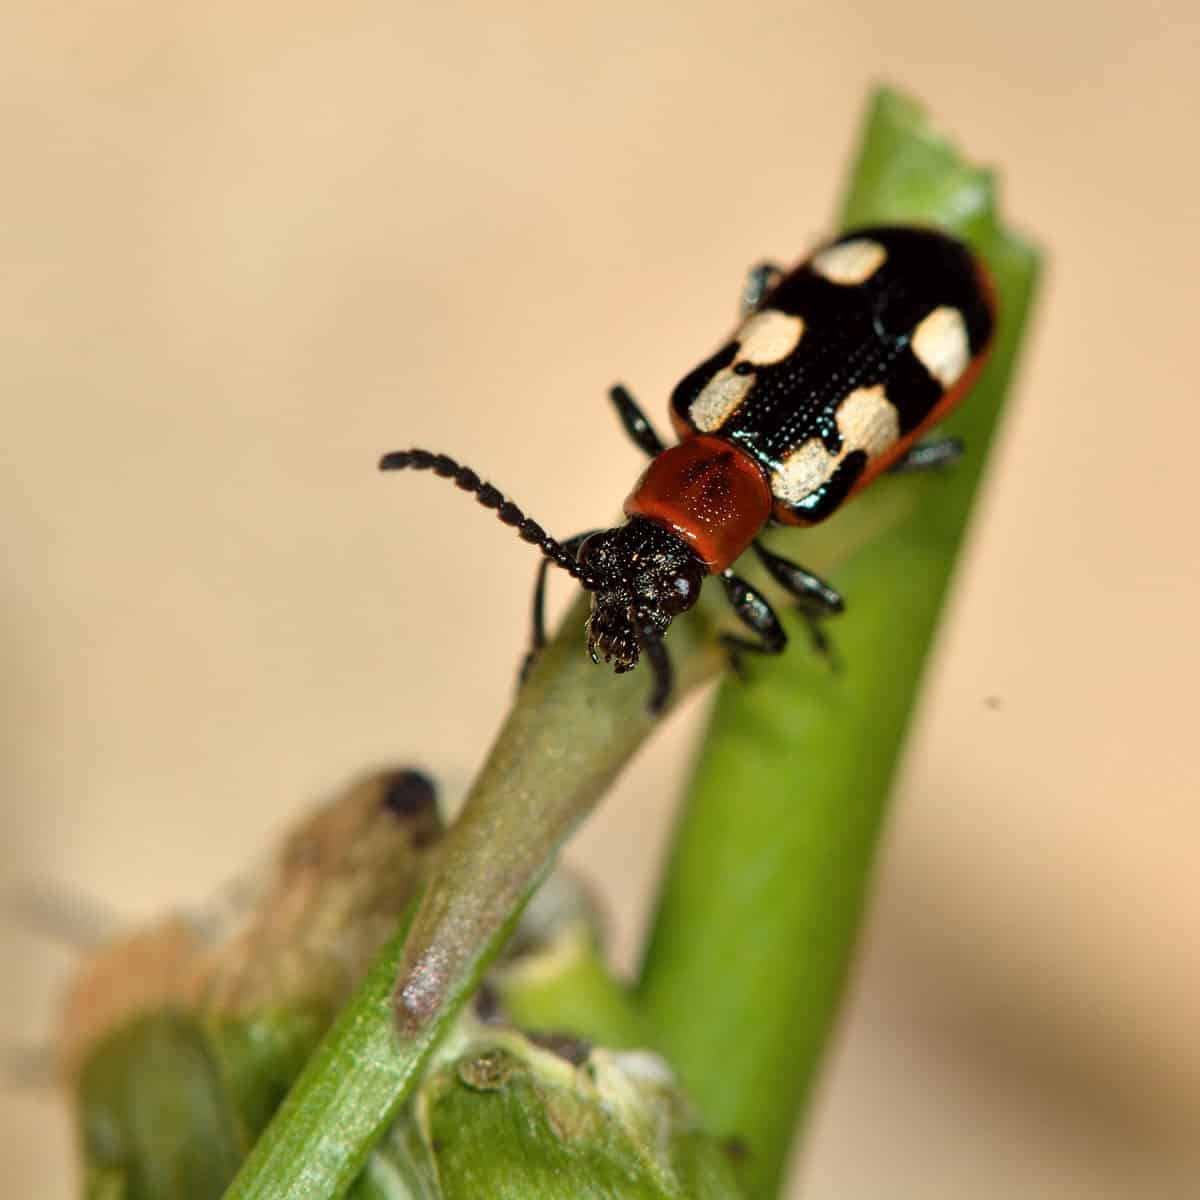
835, 371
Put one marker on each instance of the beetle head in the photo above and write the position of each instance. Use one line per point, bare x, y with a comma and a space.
644, 576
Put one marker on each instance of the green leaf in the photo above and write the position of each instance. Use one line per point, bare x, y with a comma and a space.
553, 978
764, 893
153, 1114
504, 1119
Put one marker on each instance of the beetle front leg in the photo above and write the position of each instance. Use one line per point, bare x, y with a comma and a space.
651, 643
635, 422
815, 599
938, 452
537, 639
752, 609
760, 279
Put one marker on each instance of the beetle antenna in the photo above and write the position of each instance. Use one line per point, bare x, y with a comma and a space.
528, 530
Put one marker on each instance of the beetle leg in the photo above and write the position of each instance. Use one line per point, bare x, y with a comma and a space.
812, 593
938, 452
815, 599
538, 638
635, 422
760, 279
651, 643
751, 608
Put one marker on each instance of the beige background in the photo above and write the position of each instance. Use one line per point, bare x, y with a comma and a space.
246, 248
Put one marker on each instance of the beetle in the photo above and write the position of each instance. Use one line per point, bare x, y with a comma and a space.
836, 370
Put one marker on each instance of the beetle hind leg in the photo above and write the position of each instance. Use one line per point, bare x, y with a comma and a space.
929, 456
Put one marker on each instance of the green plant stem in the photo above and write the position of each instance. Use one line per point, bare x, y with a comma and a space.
565, 740
769, 871
349, 1091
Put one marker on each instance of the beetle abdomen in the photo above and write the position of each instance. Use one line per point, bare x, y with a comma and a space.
847, 361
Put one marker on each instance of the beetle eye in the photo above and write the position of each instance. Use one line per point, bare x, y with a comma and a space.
680, 593
588, 547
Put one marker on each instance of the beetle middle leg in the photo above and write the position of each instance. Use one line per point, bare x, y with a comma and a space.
537, 640
815, 599
752, 609
927, 456
760, 279
635, 422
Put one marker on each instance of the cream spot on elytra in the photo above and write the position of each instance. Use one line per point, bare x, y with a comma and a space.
768, 337
849, 263
765, 338
867, 421
803, 472
720, 399
940, 343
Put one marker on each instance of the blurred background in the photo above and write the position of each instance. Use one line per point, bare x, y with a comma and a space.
246, 248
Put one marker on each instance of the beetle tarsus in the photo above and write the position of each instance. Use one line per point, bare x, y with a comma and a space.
821, 642
734, 656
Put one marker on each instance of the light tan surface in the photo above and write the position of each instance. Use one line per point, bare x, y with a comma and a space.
246, 248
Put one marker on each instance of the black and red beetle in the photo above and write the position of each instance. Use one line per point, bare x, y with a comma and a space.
836, 370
